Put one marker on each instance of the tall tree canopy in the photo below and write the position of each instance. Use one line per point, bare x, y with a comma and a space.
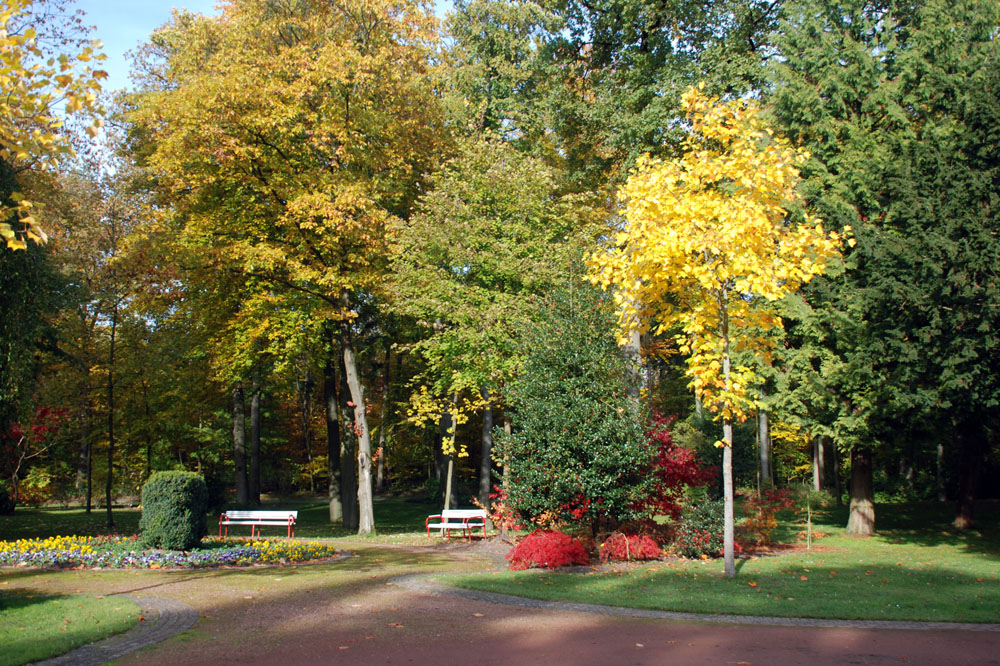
288, 136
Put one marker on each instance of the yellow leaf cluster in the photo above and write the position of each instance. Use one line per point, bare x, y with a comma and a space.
37, 90
708, 245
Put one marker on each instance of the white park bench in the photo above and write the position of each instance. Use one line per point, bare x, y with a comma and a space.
456, 519
257, 519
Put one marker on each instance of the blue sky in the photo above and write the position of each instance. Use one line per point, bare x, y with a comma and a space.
124, 24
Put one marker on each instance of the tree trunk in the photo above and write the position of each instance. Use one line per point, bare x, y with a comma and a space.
239, 444
111, 416
305, 422
383, 427
507, 429
442, 460
764, 434
253, 475
366, 516
817, 456
729, 536
942, 493
348, 453
972, 456
485, 460
83, 460
331, 401
833, 467
862, 519
450, 500
633, 362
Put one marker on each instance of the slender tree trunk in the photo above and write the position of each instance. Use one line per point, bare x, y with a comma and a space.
441, 460
833, 467
239, 444
729, 536
253, 476
305, 418
348, 455
942, 493
147, 429
633, 361
450, 501
111, 416
817, 456
972, 456
83, 460
366, 515
764, 433
862, 519
331, 401
383, 427
485, 460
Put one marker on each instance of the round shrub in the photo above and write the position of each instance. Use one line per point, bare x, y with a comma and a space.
7, 501
549, 549
621, 547
173, 510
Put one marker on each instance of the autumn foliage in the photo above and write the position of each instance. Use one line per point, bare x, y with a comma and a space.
547, 549
621, 547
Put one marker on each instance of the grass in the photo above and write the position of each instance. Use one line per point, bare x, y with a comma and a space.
39, 626
917, 568
397, 520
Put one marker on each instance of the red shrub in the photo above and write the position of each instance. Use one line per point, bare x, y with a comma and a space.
547, 548
762, 513
674, 468
626, 547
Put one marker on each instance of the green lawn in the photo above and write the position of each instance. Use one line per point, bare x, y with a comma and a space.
395, 519
917, 568
39, 626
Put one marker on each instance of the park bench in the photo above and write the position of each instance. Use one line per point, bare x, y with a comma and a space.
257, 519
456, 519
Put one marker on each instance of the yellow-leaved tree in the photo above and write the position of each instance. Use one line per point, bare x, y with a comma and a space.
40, 90
708, 247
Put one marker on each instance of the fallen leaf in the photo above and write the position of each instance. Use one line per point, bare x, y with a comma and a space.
803, 577
344, 647
752, 583
478, 615
639, 645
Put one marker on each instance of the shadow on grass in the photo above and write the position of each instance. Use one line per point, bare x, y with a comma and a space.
928, 524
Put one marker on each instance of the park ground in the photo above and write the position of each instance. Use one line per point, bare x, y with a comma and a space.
363, 609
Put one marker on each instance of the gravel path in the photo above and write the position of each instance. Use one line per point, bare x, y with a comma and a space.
162, 618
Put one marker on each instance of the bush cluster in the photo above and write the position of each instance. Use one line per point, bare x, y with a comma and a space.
701, 530
548, 549
620, 547
174, 505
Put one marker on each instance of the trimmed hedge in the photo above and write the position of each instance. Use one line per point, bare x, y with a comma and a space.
174, 505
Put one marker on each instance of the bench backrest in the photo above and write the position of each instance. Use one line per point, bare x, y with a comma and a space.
261, 515
463, 513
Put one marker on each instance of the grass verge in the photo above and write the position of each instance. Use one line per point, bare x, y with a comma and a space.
918, 569
39, 626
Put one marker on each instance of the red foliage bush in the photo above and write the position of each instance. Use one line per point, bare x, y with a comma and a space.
762, 513
674, 468
621, 547
549, 549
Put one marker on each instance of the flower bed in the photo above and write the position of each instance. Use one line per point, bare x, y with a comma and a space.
115, 552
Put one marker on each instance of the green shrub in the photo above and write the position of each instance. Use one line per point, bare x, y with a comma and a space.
7, 501
173, 510
700, 533
578, 452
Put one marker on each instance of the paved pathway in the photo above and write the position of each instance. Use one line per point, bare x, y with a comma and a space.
162, 618
424, 583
